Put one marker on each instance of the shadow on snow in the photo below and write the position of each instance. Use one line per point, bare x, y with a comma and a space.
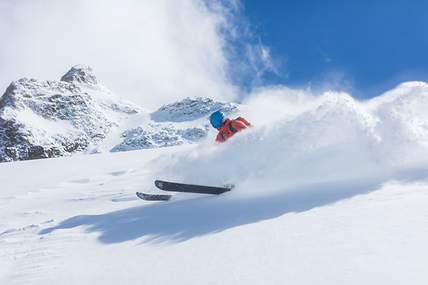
181, 220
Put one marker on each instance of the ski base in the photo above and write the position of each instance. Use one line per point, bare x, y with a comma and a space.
191, 188
153, 197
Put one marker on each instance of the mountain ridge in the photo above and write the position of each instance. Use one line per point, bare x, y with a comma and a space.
45, 119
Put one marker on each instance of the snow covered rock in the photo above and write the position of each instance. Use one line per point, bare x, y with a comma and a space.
191, 109
41, 119
80, 74
159, 135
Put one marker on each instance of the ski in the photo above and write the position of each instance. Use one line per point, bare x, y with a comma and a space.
191, 188
153, 197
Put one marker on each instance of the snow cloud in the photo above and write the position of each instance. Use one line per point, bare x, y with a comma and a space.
150, 51
300, 139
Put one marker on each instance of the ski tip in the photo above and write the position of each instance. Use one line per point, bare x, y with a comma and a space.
153, 197
159, 184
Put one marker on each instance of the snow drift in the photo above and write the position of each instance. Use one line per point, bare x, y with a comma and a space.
300, 139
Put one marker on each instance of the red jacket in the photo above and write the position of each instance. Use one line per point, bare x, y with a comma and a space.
231, 127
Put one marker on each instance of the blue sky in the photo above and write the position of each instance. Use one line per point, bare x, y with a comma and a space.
364, 47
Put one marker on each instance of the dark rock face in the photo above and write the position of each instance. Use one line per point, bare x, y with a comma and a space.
80, 74
41, 119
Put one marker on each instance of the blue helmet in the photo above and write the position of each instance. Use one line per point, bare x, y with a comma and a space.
217, 119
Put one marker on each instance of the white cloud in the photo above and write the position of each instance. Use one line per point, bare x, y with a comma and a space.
261, 60
149, 51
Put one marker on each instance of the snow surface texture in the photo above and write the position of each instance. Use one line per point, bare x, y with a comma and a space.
76, 220
41, 119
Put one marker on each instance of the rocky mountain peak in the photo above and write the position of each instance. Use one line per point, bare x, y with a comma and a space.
80, 74
40, 119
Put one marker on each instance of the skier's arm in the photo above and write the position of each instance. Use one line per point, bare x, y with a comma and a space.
245, 122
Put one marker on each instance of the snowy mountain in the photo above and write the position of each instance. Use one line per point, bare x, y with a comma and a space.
182, 122
191, 109
42, 119
159, 135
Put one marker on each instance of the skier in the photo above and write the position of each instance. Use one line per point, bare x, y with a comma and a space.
227, 127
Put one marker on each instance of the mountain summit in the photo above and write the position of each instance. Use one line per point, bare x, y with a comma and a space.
80, 74
41, 119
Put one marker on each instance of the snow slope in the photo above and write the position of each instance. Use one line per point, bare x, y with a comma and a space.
329, 190
76, 221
